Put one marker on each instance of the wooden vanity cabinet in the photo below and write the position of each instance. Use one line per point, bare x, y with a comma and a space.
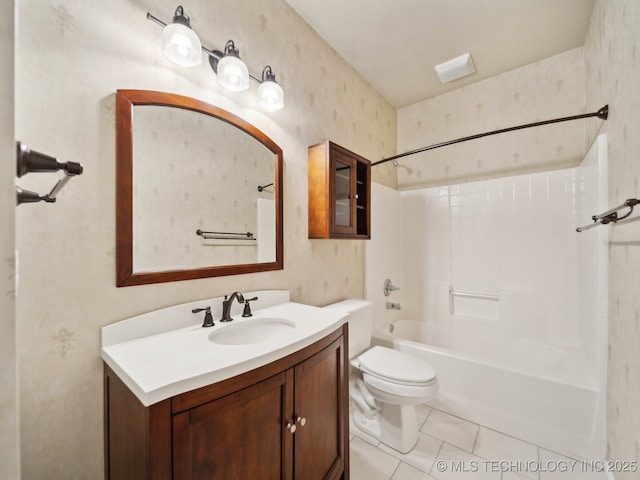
339, 193
286, 420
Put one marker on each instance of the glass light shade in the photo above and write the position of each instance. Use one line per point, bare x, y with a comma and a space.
233, 74
270, 95
181, 45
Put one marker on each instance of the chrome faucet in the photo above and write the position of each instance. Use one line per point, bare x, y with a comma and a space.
226, 305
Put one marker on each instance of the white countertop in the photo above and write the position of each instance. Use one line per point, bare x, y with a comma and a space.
167, 363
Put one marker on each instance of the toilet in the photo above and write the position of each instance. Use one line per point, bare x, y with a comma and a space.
385, 384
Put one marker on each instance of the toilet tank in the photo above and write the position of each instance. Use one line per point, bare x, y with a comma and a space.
360, 323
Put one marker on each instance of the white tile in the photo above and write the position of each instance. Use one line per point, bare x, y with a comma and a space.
421, 456
453, 430
499, 447
422, 412
554, 466
453, 463
495, 456
356, 432
407, 472
514, 476
370, 463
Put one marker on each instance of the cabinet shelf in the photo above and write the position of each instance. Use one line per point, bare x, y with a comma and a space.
339, 193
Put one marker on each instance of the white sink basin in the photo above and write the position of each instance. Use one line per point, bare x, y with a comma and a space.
256, 330
165, 353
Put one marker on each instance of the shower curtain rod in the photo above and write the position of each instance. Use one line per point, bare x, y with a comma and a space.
603, 113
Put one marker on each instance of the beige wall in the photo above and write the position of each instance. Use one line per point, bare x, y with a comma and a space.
550, 88
613, 76
72, 57
9, 448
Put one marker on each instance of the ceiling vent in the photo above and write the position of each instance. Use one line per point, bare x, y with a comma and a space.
455, 68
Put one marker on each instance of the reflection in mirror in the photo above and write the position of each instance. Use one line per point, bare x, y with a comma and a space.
177, 192
189, 205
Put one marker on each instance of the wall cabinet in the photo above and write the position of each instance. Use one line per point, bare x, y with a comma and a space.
286, 420
339, 193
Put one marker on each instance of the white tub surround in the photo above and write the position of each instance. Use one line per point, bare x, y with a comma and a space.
167, 352
541, 395
513, 301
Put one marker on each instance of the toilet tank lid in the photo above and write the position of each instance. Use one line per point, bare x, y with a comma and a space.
350, 305
396, 365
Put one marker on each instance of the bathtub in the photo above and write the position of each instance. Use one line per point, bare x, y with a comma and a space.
535, 392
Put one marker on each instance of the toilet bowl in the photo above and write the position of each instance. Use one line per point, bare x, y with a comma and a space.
386, 384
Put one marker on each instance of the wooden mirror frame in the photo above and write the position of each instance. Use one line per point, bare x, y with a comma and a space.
125, 276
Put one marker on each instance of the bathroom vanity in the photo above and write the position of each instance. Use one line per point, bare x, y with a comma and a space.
278, 409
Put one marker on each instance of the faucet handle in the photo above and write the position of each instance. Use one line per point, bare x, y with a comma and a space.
208, 319
389, 287
247, 308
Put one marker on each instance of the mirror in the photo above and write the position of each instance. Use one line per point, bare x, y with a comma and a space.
198, 191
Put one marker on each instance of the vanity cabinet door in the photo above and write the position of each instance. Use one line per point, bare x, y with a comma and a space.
239, 436
321, 437
241, 428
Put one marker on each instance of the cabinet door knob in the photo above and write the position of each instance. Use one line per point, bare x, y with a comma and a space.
291, 427
302, 421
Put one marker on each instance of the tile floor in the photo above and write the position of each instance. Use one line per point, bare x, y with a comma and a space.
451, 448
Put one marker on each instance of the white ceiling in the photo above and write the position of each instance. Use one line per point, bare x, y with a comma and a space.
395, 44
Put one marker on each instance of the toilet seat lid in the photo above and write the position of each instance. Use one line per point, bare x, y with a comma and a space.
395, 365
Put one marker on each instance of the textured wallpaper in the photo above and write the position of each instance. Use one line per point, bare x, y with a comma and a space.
9, 464
550, 88
612, 73
66, 107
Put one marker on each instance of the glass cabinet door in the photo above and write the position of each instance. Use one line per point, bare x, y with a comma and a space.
343, 171
343, 194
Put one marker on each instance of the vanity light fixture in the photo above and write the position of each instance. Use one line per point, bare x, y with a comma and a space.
182, 46
270, 94
233, 74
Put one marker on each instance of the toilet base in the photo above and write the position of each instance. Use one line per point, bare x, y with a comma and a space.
369, 426
399, 427
396, 426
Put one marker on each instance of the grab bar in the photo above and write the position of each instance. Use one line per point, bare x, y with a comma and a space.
478, 296
481, 296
